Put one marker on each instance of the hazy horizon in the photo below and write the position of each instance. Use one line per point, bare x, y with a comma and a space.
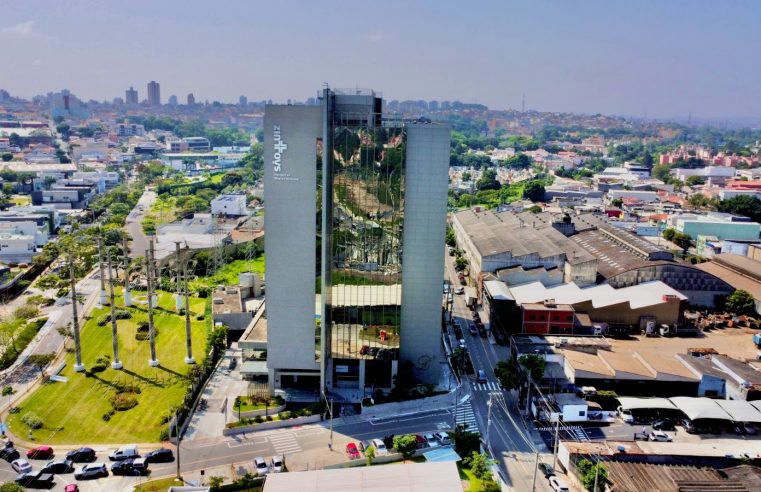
654, 59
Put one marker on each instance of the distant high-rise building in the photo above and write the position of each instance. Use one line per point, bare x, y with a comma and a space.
172, 100
154, 93
131, 97
243, 101
118, 101
191, 99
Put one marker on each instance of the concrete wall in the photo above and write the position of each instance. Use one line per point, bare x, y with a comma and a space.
290, 241
423, 265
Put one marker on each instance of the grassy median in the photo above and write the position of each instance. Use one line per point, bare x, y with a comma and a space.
116, 406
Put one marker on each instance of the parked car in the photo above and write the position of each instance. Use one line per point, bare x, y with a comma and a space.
124, 453
750, 429
380, 446
472, 329
660, 436
71, 487
459, 290
58, 466
626, 415
261, 466
558, 484
81, 455
546, 469
688, 426
443, 438
363, 350
161, 455
277, 464
462, 345
421, 441
431, 439
130, 467
40, 453
21, 466
352, 451
36, 480
9, 454
91, 470
664, 424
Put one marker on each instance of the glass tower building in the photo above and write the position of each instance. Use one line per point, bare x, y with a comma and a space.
369, 262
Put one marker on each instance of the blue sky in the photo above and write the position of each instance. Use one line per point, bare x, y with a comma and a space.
656, 58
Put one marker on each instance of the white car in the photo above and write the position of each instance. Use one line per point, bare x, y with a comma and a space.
432, 441
459, 290
21, 466
277, 464
91, 470
558, 484
261, 466
380, 447
661, 436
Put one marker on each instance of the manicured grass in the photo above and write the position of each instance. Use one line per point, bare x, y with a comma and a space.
466, 474
228, 274
21, 200
160, 485
72, 412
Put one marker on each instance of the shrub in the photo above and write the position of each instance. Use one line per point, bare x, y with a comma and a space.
26, 312
106, 417
269, 418
62, 292
101, 364
143, 331
258, 419
164, 435
200, 317
122, 402
32, 420
14, 410
122, 314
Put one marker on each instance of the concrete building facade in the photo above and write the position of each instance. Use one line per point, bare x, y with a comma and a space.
352, 286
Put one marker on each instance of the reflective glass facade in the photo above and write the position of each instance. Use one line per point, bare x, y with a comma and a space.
363, 284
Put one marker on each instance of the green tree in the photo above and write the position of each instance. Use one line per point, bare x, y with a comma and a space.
369, 455
450, 238
740, 302
695, 180
460, 263
682, 240
534, 191
488, 180
216, 481
535, 364
466, 442
7, 156
479, 464
506, 372
40, 361
406, 445
15, 140
617, 202
746, 205
592, 474
662, 172
466, 176
669, 234
11, 487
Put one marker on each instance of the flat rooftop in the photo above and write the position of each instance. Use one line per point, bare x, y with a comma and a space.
226, 300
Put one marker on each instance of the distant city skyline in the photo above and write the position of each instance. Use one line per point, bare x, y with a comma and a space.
655, 59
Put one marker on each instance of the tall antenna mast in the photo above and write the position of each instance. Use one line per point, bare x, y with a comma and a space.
116, 364
151, 327
78, 367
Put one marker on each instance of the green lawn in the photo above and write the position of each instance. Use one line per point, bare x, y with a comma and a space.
21, 200
72, 412
161, 485
228, 274
474, 484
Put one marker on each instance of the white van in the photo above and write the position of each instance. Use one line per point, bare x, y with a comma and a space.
124, 453
625, 415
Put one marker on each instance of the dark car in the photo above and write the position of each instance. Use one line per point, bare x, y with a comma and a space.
40, 453
81, 455
664, 424
59, 466
481, 330
9, 454
546, 468
499, 338
130, 467
472, 329
36, 480
162, 455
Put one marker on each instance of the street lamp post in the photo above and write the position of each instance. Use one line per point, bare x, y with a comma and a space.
188, 341
78, 367
116, 364
488, 422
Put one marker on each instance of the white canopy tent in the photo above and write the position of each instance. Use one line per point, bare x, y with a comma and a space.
628, 403
700, 408
740, 410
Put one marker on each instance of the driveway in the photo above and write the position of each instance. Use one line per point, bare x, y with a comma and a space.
133, 225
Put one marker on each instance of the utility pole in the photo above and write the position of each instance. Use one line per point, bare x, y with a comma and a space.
488, 422
528, 394
330, 409
102, 272
536, 467
555, 445
78, 367
116, 364
127, 293
189, 342
153, 362
179, 440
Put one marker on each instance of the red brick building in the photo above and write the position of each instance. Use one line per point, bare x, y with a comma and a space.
547, 317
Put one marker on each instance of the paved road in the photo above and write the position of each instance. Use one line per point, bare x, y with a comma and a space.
511, 441
133, 224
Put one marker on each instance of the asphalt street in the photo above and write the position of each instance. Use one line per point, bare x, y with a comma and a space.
133, 224
509, 439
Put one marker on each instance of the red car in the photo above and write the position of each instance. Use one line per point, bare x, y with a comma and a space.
352, 452
72, 487
421, 441
40, 453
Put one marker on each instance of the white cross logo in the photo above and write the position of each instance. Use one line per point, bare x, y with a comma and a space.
280, 147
